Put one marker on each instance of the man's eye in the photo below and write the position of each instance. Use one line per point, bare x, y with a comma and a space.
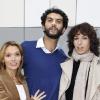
49, 20
59, 21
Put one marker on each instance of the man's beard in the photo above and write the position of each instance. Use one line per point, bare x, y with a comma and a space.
53, 36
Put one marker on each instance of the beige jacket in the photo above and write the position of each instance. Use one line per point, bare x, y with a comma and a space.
8, 90
94, 79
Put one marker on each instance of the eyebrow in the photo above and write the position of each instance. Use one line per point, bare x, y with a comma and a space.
52, 18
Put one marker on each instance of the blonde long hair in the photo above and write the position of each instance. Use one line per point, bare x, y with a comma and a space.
19, 74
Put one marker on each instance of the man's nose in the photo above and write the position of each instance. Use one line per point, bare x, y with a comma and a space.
53, 22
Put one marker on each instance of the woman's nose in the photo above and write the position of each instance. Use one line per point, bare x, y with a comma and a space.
13, 58
79, 41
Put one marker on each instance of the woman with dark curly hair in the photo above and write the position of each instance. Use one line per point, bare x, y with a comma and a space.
80, 74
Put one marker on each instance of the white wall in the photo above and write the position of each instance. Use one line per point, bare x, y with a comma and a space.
11, 13
88, 10
33, 11
20, 19
68, 6
27, 13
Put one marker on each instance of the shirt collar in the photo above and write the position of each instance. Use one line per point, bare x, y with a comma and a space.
40, 44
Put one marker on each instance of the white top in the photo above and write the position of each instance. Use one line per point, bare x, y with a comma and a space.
40, 44
21, 92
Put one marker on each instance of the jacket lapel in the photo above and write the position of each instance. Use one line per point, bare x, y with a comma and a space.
66, 76
26, 90
10, 86
67, 68
94, 80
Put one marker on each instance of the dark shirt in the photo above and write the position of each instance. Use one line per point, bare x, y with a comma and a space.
69, 91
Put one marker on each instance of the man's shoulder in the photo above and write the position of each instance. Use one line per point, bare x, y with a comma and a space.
28, 43
62, 54
61, 51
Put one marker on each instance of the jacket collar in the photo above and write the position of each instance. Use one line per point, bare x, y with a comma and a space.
12, 90
67, 67
40, 44
66, 76
67, 72
11, 87
26, 90
94, 76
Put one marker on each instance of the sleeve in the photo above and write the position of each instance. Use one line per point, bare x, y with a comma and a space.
3, 92
97, 93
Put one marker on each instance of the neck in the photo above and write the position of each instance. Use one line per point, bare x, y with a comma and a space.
12, 73
83, 57
49, 43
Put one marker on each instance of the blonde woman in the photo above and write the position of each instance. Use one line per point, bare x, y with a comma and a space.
12, 83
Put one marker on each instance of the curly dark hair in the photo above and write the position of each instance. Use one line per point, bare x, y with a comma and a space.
57, 11
85, 29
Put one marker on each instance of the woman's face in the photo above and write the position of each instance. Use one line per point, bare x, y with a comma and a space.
12, 58
81, 43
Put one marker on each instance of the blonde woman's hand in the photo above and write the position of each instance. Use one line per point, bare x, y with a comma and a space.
38, 95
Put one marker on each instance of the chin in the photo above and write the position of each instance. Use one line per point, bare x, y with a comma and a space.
81, 52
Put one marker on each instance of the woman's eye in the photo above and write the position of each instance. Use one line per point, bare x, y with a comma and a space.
7, 55
85, 37
17, 54
75, 38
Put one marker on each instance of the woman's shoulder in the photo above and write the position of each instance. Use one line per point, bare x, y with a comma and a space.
96, 59
67, 65
66, 61
96, 63
2, 76
2, 73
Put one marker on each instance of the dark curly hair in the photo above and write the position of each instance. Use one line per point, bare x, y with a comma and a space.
57, 11
85, 29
